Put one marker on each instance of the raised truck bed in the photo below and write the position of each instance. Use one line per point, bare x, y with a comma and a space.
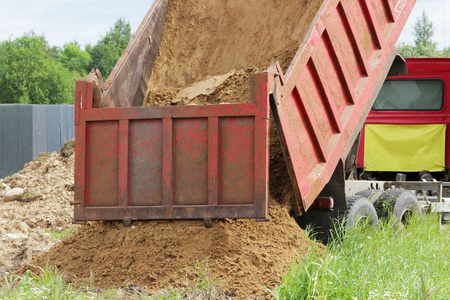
206, 162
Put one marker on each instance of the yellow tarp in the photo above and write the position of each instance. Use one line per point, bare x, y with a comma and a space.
407, 148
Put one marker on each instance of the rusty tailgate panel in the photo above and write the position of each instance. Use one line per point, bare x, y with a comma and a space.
322, 101
191, 162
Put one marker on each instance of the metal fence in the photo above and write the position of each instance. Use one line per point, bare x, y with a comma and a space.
27, 130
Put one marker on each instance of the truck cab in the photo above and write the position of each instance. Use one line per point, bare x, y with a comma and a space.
406, 129
405, 133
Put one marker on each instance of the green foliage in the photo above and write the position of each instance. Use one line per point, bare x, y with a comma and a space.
110, 47
59, 234
49, 285
423, 35
424, 46
375, 263
33, 72
75, 60
70, 143
30, 75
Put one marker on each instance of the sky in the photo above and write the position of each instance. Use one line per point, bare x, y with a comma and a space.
86, 21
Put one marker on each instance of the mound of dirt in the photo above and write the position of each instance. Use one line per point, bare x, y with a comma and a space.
204, 38
43, 207
245, 254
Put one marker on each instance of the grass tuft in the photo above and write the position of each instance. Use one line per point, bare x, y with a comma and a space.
50, 284
58, 234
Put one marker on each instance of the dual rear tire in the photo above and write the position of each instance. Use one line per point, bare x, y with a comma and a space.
398, 203
365, 207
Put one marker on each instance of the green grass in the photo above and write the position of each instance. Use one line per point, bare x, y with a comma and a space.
366, 263
49, 284
376, 263
70, 144
58, 234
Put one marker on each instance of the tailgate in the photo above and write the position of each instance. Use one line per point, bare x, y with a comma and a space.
184, 162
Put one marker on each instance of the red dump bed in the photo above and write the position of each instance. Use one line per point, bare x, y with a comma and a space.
212, 161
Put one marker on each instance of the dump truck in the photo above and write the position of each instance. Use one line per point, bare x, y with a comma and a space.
212, 161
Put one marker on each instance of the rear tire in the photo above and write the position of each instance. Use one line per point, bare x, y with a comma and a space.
399, 203
325, 224
359, 209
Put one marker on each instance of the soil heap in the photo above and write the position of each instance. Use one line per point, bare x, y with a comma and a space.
245, 255
44, 207
204, 39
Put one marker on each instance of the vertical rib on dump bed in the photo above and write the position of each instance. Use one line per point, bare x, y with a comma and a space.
191, 162
326, 94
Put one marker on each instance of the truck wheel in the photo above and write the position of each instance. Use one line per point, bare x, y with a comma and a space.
399, 203
406, 206
359, 209
371, 194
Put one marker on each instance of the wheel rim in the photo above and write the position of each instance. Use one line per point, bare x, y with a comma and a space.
406, 217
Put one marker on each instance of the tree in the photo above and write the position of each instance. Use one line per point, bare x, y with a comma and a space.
423, 36
424, 46
30, 74
446, 52
75, 60
109, 48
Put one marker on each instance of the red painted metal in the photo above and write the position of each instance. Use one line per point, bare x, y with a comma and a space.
418, 68
321, 102
192, 162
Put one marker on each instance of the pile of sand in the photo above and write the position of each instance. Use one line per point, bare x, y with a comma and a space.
245, 254
204, 38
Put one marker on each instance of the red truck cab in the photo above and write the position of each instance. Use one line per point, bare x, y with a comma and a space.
406, 130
